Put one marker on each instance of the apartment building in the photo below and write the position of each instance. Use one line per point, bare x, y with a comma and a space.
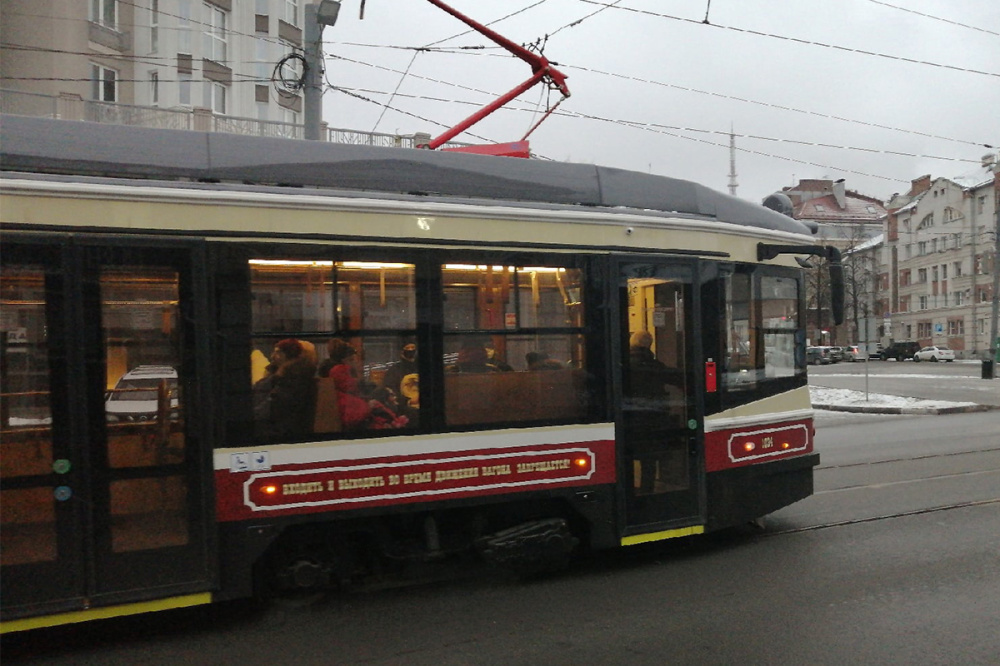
937, 263
96, 59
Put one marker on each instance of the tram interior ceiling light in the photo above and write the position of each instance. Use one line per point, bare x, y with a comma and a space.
327, 12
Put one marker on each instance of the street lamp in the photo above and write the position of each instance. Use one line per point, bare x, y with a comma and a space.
317, 16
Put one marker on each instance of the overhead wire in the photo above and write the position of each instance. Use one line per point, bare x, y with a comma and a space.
796, 40
746, 100
656, 127
935, 18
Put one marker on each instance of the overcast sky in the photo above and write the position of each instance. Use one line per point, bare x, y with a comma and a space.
655, 89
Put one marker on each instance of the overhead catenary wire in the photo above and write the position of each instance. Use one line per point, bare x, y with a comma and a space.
638, 79
635, 123
797, 40
935, 18
657, 127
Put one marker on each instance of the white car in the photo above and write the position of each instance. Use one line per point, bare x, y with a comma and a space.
855, 353
136, 396
934, 353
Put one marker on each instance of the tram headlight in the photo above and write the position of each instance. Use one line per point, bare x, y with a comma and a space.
749, 446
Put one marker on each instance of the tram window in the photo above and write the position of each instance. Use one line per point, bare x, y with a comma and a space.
779, 322
514, 345
292, 295
764, 339
27, 515
482, 297
140, 318
345, 331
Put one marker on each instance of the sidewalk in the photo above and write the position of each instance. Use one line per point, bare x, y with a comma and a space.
845, 400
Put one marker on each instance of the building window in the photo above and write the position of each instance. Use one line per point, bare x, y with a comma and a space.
934, 273
214, 35
957, 269
215, 97
292, 12
104, 83
956, 327
154, 87
980, 204
263, 66
922, 248
184, 27
154, 26
959, 298
927, 222
184, 89
923, 303
104, 12
944, 271
921, 275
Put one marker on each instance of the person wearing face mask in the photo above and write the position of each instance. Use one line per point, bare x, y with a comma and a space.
406, 365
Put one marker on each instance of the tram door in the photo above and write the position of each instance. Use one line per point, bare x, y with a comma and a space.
659, 418
100, 490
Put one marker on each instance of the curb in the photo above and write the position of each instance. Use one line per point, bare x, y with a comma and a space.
861, 409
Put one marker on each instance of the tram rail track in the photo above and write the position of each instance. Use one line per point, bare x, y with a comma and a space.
888, 516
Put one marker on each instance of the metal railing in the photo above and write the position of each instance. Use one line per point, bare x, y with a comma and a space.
72, 107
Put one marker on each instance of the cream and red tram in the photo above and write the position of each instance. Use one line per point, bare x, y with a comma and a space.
148, 276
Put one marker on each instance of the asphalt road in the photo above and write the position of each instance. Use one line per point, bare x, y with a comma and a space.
959, 381
896, 559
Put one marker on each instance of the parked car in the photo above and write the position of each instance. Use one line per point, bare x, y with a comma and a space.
136, 396
817, 355
855, 353
934, 353
900, 350
836, 354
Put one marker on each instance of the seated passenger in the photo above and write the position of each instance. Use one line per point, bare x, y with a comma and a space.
541, 361
473, 358
386, 412
406, 365
284, 397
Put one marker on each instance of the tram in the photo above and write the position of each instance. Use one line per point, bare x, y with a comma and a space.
236, 366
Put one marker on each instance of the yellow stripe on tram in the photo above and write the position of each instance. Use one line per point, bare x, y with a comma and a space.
636, 539
105, 612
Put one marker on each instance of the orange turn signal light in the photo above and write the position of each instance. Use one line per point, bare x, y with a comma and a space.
581, 462
270, 490
749, 446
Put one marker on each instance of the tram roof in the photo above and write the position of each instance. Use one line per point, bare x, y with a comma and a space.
42, 145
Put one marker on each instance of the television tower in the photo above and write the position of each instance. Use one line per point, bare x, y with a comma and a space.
732, 162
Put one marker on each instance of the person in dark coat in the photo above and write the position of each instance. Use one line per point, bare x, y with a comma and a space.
406, 365
649, 377
292, 391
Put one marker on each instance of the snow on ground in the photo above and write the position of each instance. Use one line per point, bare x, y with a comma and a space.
823, 396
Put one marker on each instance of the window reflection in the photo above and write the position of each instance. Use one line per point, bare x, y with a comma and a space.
27, 516
763, 336
140, 317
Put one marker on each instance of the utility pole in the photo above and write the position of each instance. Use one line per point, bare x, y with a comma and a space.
317, 16
732, 162
995, 167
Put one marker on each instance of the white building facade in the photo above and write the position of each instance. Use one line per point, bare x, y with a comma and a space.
939, 259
